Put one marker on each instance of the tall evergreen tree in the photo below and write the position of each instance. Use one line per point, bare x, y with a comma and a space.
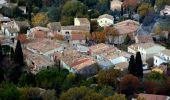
139, 65
18, 55
132, 66
12, 53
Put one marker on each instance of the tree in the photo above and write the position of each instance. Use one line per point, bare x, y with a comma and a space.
116, 96
144, 9
18, 56
8, 91
132, 65
51, 79
158, 30
139, 65
108, 77
81, 93
130, 4
40, 19
54, 14
93, 25
155, 77
26, 79
99, 37
74, 8
129, 84
31, 93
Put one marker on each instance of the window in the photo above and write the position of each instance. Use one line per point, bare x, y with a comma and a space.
105, 21
12, 34
101, 21
58, 30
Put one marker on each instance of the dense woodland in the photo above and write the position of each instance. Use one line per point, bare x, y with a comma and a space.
17, 83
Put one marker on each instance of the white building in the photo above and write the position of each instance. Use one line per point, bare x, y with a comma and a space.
115, 5
81, 22
165, 11
162, 57
147, 50
105, 20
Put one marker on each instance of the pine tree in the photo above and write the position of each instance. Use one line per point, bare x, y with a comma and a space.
12, 53
139, 65
18, 55
132, 65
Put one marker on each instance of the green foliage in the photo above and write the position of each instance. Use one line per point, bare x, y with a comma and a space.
81, 93
54, 14
116, 96
26, 79
132, 65
73, 9
155, 77
107, 91
12, 12
108, 77
144, 9
8, 91
51, 79
139, 65
18, 56
31, 93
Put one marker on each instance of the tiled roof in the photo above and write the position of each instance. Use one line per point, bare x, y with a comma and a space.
166, 52
82, 63
40, 60
99, 48
106, 16
122, 65
126, 27
144, 39
152, 96
55, 26
43, 45
39, 34
78, 28
83, 20
78, 37
22, 37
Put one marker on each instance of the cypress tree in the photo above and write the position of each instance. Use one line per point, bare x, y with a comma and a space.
139, 65
12, 53
132, 65
18, 55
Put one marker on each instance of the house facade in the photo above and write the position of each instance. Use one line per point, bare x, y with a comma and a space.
105, 20
147, 50
115, 5
162, 57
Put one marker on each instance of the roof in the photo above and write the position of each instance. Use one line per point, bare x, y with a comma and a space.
166, 52
98, 48
82, 63
116, 4
12, 30
23, 23
83, 20
39, 34
78, 37
74, 59
40, 60
147, 45
43, 45
122, 65
78, 28
126, 27
144, 39
106, 16
4, 19
55, 26
22, 37
152, 96
68, 56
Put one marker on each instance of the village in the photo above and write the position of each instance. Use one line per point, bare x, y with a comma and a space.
91, 45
